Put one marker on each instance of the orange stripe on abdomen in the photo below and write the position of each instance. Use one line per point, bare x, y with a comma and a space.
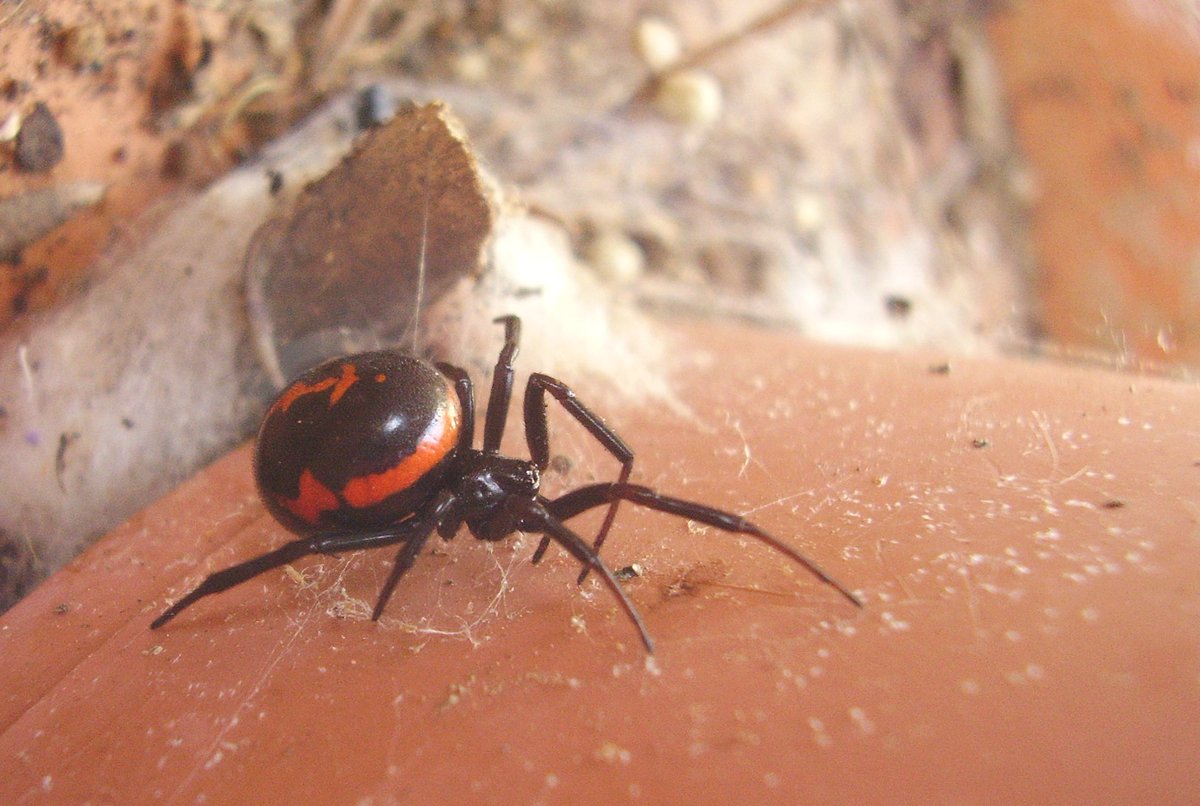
437, 442
299, 389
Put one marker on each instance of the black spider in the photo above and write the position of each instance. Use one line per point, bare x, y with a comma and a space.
377, 448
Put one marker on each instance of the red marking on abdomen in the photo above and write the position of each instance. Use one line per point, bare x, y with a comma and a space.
314, 499
297, 390
438, 440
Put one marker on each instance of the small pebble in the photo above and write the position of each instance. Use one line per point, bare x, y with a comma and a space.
39, 144
657, 43
615, 257
375, 106
691, 97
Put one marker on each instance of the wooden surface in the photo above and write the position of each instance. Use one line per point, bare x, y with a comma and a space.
1024, 536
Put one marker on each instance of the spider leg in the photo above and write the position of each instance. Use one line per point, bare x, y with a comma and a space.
560, 533
502, 381
537, 435
327, 543
595, 495
466, 400
422, 526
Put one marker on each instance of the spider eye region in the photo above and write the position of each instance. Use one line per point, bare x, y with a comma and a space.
489, 479
480, 489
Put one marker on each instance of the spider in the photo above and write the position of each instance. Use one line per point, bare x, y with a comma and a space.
377, 449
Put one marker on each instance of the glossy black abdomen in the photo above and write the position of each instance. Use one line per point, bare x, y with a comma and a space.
359, 441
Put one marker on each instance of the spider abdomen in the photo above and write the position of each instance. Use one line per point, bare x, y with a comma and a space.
357, 442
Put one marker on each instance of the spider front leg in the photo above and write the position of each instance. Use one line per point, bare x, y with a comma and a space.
538, 518
537, 435
502, 381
